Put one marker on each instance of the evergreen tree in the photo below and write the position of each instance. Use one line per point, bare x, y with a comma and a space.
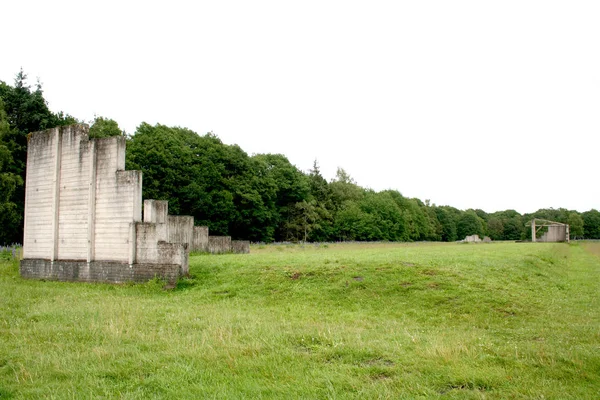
25, 110
10, 182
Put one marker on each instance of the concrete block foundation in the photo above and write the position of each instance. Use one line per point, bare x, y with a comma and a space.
97, 271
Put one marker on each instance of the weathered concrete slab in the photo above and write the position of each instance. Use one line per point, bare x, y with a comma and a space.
554, 234
200, 239
219, 244
240, 246
156, 211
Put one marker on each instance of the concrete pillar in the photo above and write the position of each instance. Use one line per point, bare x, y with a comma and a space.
156, 211
91, 202
55, 194
132, 243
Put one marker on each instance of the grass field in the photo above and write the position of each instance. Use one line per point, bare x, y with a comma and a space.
361, 321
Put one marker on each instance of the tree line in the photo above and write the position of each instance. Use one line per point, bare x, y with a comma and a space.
261, 197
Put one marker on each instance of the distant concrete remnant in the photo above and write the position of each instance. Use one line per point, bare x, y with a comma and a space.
219, 244
83, 215
204, 243
550, 231
240, 246
472, 239
476, 239
200, 239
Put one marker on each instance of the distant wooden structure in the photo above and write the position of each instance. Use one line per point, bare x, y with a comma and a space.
557, 232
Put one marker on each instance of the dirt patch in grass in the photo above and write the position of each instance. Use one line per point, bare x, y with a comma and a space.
593, 247
430, 272
506, 313
295, 276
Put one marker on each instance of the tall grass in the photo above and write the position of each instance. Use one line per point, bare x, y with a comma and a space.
338, 321
8, 253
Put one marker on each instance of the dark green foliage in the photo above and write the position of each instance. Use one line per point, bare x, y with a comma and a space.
344, 189
495, 228
304, 218
22, 111
265, 198
469, 224
10, 182
447, 217
321, 197
220, 185
575, 225
288, 189
27, 111
591, 224
104, 127
376, 216
506, 225
558, 215
261, 197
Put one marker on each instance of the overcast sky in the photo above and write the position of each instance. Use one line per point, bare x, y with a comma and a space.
474, 104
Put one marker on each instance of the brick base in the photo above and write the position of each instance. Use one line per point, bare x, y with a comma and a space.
97, 271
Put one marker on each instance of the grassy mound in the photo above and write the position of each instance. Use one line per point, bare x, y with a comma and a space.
498, 320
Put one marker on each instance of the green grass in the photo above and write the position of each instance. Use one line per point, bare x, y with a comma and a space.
359, 321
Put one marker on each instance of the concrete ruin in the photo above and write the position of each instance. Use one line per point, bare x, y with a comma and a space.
204, 243
83, 215
476, 239
549, 231
240, 246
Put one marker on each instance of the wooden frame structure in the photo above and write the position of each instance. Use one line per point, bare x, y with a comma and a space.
557, 232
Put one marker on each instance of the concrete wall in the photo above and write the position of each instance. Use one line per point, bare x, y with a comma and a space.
78, 204
219, 244
159, 227
81, 206
83, 215
156, 211
152, 251
181, 232
40, 195
74, 192
557, 233
118, 202
181, 229
240, 246
200, 239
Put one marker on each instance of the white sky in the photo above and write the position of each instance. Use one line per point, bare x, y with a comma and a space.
480, 104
